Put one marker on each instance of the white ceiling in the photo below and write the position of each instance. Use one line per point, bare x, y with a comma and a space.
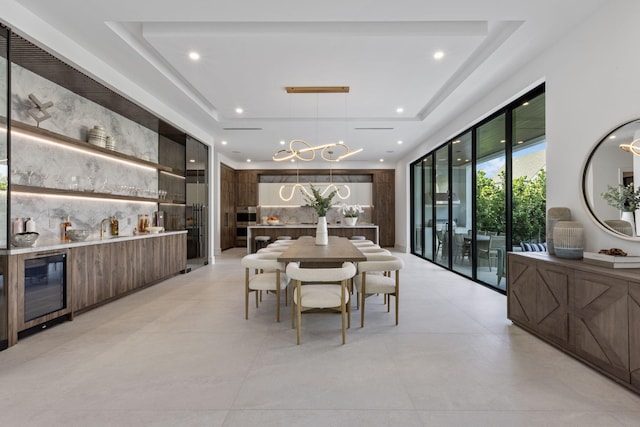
250, 50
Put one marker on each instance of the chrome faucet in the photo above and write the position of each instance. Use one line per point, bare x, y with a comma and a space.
102, 226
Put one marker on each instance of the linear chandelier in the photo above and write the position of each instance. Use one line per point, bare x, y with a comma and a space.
631, 147
301, 150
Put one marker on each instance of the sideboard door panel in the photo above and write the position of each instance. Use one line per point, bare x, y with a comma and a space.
601, 322
522, 293
634, 333
553, 310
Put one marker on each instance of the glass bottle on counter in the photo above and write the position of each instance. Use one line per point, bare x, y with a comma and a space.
143, 222
114, 226
66, 225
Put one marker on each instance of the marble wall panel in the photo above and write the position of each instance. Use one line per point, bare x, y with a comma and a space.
50, 211
73, 115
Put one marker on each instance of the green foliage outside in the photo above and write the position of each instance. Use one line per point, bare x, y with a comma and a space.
529, 206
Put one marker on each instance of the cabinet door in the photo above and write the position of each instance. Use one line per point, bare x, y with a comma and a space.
521, 290
91, 276
553, 288
634, 333
601, 322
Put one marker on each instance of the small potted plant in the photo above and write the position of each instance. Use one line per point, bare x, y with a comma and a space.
351, 213
321, 205
625, 198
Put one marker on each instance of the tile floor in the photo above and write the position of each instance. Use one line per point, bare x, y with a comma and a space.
181, 354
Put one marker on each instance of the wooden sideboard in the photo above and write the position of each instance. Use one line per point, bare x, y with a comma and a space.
590, 312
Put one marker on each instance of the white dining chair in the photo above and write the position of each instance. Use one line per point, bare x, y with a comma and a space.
317, 288
375, 277
263, 272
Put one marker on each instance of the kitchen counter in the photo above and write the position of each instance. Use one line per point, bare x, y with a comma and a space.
370, 231
51, 245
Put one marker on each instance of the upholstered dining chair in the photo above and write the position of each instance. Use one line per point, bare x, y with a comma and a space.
263, 272
324, 288
379, 275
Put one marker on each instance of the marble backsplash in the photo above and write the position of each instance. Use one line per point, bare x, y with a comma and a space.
38, 163
73, 115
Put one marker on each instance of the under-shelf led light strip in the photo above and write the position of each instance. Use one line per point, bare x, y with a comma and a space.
80, 150
105, 198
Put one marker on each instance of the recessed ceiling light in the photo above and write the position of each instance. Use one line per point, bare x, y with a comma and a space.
525, 103
399, 110
520, 142
282, 142
292, 160
194, 55
248, 160
192, 160
399, 142
341, 142
457, 141
224, 142
502, 141
438, 54
239, 110
612, 137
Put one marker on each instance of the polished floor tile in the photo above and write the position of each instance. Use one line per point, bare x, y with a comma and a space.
180, 353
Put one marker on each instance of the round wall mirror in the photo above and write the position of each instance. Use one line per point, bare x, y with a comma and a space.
609, 174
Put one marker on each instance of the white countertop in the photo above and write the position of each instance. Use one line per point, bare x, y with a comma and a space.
313, 226
45, 245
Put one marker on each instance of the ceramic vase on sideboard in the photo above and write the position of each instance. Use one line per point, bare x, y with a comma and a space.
568, 239
322, 234
350, 220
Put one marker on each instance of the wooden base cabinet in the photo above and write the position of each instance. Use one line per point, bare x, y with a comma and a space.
590, 312
102, 272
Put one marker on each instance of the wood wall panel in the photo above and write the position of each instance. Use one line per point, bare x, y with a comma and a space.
384, 206
227, 208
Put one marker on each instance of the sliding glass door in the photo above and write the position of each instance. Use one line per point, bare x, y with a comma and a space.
481, 194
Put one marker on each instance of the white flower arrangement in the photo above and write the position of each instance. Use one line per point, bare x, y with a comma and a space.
351, 211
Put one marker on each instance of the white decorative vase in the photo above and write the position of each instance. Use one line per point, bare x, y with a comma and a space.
350, 220
322, 234
568, 239
629, 217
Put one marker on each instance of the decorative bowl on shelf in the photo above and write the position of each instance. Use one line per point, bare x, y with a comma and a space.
77, 235
155, 230
24, 240
273, 221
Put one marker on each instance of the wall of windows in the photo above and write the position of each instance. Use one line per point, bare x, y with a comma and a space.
482, 193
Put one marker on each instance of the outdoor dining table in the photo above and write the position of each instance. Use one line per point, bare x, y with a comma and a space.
309, 255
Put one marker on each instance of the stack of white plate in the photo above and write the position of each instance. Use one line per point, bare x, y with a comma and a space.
110, 144
97, 136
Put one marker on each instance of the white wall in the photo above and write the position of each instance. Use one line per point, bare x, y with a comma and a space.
592, 85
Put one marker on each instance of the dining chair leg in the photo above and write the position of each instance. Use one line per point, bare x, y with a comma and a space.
342, 310
298, 310
397, 296
278, 295
293, 304
364, 297
246, 294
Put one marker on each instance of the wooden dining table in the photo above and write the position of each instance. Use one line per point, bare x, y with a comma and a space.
309, 255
